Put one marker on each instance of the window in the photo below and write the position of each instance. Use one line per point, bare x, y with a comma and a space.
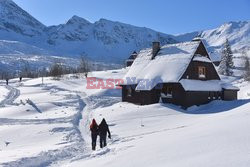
202, 72
213, 95
167, 92
129, 92
219, 94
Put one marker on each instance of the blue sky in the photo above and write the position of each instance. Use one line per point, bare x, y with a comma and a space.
168, 16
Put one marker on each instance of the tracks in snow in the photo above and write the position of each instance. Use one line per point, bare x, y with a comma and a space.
73, 136
11, 97
7, 121
77, 135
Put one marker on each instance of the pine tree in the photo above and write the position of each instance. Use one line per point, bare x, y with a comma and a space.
246, 67
226, 64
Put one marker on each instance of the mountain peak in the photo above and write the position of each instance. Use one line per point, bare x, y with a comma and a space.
76, 19
11, 14
104, 20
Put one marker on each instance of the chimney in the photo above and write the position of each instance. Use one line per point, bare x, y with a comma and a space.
155, 49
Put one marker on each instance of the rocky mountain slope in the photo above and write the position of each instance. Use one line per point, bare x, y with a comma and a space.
238, 34
78, 36
114, 40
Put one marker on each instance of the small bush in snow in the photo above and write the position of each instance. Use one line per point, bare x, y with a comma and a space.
56, 70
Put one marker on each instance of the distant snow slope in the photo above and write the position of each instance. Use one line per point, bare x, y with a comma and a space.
238, 33
19, 48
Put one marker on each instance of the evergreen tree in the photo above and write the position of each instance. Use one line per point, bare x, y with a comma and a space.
246, 66
226, 64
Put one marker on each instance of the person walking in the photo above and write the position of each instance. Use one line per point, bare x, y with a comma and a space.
94, 133
103, 130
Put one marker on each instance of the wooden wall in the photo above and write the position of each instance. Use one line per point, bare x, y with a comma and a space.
178, 94
230, 94
140, 97
192, 70
199, 98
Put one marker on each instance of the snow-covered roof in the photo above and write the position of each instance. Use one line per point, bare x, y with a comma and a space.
229, 86
198, 85
133, 56
168, 66
201, 58
142, 60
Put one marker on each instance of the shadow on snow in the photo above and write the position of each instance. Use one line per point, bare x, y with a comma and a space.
210, 108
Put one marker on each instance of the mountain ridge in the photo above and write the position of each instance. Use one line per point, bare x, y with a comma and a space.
78, 36
115, 40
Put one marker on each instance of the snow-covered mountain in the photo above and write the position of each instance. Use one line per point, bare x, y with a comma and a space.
17, 24
238, 34
103, 40
114, 40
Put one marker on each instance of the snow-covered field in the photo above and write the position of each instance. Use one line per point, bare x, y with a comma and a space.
48, 125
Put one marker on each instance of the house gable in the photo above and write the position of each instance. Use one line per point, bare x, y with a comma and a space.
201, 60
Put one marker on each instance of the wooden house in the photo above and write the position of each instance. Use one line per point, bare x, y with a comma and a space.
182, 74
131, 59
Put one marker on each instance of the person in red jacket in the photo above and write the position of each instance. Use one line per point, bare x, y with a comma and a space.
94, 133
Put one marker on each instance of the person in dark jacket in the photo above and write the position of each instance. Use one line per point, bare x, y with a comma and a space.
103, 130
94, 133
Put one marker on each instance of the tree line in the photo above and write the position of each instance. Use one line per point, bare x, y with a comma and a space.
56, 70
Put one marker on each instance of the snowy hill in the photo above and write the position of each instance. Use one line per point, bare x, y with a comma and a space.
238, 33
19, 48
48, 125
